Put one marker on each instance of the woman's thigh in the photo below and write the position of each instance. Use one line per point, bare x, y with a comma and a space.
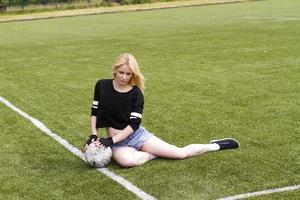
122, 153
160, 148
129, 157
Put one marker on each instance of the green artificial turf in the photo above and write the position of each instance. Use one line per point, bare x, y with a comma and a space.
33, 166
211, 72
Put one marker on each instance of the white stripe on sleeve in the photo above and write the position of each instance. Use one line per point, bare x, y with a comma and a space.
134, 115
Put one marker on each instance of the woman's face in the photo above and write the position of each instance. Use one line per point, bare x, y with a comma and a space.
123, 75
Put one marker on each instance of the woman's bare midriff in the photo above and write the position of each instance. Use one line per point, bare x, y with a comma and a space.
110, 132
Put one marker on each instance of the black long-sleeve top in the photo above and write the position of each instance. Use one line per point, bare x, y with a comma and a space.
117, 109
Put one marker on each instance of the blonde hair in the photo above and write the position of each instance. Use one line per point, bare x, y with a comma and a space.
137, 78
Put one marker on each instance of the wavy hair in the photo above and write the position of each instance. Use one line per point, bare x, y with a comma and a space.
137, 78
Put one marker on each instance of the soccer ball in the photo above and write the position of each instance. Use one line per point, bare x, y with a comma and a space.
97, 156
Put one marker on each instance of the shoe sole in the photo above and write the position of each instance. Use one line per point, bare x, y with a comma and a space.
213, 141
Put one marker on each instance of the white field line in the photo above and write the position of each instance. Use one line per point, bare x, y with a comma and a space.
263, 192
272, 18
126, 184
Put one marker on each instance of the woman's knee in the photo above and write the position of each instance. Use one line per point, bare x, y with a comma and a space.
126, 159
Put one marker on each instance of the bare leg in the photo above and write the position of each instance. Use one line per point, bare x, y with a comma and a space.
130, 157
155, 147
160, 148
196, 149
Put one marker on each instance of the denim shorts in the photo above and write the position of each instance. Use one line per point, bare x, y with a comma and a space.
135, 140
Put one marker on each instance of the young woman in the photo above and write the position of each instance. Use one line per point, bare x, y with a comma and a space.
118, 107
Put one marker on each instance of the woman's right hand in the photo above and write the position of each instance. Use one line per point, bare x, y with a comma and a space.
91, 139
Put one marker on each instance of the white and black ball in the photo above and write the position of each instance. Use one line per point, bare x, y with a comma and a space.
97, 156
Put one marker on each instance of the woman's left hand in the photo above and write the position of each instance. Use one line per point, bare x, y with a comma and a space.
107, 142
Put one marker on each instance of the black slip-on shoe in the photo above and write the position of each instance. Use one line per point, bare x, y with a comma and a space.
226, 143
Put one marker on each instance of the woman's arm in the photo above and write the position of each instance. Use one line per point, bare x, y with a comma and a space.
122, 134
94, 108
93, 118
93, 137
93, 125
116, 136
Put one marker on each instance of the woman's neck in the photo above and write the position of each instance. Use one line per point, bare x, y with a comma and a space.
121, 88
